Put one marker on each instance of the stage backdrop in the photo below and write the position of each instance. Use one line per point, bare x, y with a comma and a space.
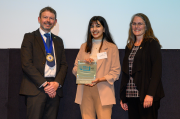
12, 105
21, 16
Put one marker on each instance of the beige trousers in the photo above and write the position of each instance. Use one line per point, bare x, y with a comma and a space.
91, 105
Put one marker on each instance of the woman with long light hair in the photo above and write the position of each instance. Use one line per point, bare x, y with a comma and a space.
141, 87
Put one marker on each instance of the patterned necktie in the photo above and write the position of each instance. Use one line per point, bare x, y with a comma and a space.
47, 35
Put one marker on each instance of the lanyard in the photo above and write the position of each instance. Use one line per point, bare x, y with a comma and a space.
48, 50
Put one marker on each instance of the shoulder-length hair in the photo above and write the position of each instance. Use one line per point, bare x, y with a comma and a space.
106, 34
149, 34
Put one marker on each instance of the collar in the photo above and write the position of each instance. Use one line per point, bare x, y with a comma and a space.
98, 40
42, 32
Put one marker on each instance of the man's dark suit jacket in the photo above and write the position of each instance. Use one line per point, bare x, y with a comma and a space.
33, 58
148, 72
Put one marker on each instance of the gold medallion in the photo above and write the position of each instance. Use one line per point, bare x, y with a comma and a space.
49, 58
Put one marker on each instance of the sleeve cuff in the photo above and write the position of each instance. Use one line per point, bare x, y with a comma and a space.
42, 84
59, 86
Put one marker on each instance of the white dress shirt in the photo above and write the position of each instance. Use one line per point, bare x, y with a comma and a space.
48, 71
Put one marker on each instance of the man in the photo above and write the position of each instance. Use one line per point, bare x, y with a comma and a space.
44, 68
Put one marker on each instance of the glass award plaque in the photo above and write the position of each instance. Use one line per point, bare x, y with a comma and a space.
86, 72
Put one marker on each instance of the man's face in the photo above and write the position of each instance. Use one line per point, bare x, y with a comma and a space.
47, 21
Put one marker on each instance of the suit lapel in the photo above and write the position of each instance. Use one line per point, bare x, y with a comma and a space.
139, 65
40, 41
103, 49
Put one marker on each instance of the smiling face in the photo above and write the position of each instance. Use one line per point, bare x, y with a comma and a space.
47, 21
138, 27
97, 30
